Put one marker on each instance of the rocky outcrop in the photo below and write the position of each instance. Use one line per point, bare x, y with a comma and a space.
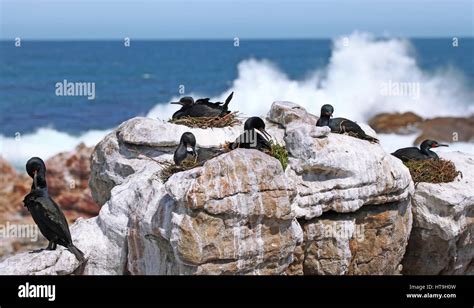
340, 207
133, 146
68, 178
341, 173
447, 129
442, 240
284, 113
442, 129
395, 123
370, 241
352, 199
13, 188
231, 216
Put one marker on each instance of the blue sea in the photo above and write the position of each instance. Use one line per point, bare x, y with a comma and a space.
141, 79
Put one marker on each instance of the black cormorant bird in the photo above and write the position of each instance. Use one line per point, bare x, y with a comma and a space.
187, 150
202, 107
424, 152
251, 138
45, 212
342, 125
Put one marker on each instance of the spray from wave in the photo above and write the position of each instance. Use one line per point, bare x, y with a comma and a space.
364, 77
44, 143
359, 67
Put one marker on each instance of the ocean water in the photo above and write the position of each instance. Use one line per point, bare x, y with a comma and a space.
140, 80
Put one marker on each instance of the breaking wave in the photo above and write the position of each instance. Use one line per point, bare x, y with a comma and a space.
365, 76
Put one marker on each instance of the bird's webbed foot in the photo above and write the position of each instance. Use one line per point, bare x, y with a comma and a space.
37, 250
51, 246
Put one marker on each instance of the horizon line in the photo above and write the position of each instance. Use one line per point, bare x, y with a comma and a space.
225, 39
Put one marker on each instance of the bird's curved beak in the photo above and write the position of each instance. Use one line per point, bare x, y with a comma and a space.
35, 181
265, 133
441, 145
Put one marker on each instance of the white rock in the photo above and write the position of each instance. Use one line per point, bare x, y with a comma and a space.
237, 214
341, 173
442, 238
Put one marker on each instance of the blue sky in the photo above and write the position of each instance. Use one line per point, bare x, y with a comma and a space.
223, 19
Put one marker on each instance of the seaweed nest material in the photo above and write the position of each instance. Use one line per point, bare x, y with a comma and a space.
208, 122
279, 152
171, 168
432, 171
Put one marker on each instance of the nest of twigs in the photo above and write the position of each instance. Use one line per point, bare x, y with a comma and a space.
209, 122
432, 171
170, 168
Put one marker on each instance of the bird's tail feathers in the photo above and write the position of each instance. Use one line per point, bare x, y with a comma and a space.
228, 99
77, 252
370, 138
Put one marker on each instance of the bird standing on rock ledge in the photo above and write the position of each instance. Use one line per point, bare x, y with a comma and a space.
342, 125
45, 212
423, 153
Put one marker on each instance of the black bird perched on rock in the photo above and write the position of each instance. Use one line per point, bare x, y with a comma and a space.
187, 150
45, 212
202, 107
424, 152
251, 138
342, 125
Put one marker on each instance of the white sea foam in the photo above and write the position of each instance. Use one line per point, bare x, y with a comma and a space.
352, 82
44, 143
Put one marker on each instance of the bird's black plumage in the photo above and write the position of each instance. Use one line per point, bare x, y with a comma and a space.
187, 150
342, 125
422, 153
201, 108
251, 139
45, 212
182, 153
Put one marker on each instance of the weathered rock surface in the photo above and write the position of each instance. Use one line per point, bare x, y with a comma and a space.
338, 172
233, 216
364, 190
370, 241
283, 113
237, 214
442, 129
13, 188
68, 175
128, 150
447, 129
442, 240
395, 123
